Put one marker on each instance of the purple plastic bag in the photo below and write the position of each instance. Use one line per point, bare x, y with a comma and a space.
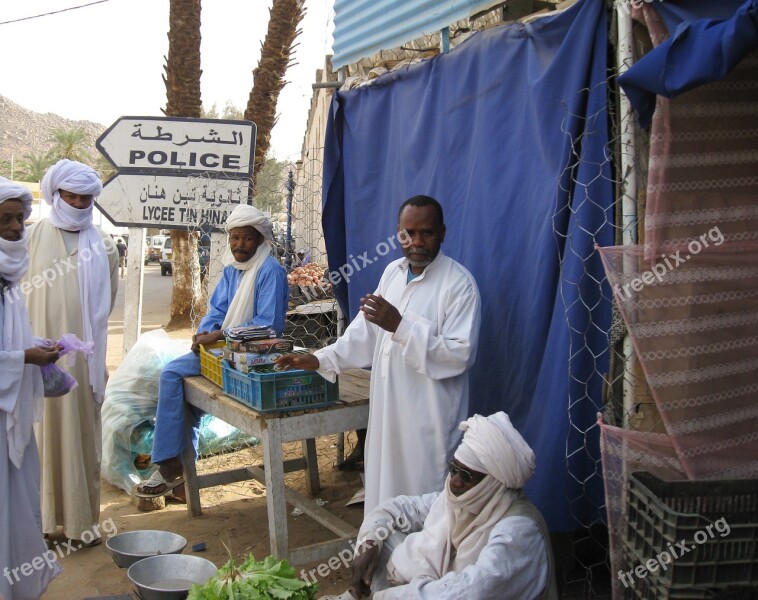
57, 381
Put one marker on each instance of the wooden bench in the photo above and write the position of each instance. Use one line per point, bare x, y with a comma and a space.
273, 429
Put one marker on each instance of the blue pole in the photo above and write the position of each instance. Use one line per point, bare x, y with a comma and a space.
288, 241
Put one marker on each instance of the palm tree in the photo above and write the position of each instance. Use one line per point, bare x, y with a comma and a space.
268, 77
182, 80
32, 167
70, 143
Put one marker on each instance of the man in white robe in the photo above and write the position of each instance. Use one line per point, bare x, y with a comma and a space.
419, 332
480, 538
22, 547
73, 279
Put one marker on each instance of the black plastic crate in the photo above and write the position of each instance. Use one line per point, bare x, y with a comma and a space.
664, 518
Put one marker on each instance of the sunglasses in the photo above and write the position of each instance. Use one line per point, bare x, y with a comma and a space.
467, 476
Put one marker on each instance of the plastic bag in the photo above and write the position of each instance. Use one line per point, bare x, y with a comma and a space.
57, 381
128, 416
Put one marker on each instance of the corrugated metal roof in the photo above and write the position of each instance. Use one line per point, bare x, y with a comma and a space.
363, 27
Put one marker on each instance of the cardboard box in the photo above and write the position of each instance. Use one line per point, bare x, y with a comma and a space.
245, 361
279, 345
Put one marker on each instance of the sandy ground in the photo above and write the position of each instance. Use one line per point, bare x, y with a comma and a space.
234, 521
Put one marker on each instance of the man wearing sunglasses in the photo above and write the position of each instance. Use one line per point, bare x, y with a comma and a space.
480, 538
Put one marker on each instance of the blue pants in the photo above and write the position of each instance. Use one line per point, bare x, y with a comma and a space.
169, 438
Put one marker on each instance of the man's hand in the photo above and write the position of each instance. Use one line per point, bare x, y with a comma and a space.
306, 362
364, 565
380, 312
205, 338
42, 355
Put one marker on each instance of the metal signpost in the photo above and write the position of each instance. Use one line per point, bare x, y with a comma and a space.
172, 173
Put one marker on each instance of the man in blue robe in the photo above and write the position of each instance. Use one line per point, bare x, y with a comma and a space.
253, 290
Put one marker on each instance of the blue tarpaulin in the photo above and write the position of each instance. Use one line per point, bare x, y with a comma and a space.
707, 41
509, 132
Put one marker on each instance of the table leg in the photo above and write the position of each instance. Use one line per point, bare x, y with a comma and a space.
340, 448
191, 487
275, 498
312, 483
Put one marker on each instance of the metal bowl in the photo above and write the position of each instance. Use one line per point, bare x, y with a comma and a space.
169, 576
129, 547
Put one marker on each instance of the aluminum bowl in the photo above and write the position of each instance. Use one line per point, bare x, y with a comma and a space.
129, 547
169, 576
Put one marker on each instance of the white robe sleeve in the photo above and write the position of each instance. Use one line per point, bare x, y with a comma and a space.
354, 349
512, 566
11, 371
405, 514
452, 351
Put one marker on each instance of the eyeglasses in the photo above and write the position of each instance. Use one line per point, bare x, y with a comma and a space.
467, 476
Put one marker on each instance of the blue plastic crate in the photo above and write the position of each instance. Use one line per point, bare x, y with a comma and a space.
283, 391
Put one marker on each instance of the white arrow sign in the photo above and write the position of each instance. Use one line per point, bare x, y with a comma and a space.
171, 201
176, 144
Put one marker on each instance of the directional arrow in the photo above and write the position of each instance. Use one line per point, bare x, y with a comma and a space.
171, 201
177, 144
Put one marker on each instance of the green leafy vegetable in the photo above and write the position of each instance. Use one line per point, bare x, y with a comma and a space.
271, 579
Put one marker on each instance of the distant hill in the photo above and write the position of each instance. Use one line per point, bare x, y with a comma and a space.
24, 131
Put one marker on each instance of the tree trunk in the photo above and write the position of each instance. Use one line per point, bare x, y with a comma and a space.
182, 80
268, 77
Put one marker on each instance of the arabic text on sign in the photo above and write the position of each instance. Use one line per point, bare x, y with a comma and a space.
213, 137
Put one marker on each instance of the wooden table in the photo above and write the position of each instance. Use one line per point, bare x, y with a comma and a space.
273, 429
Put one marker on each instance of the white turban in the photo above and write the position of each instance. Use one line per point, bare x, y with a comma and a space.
245, 215
492, 445
14, 257
92, 265
14, 191
71, 176
21, 396
457, 528
242, 305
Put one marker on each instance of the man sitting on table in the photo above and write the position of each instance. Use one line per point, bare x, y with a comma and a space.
480, 538
253, 291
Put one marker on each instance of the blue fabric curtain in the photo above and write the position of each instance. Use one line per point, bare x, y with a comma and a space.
509, 132
707, 41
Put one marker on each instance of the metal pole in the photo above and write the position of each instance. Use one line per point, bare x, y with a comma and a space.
628, 123
288, 250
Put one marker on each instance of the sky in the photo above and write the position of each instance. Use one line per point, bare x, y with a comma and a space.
104, 61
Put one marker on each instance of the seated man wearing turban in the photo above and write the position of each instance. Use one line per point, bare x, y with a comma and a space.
253, 291
480, 538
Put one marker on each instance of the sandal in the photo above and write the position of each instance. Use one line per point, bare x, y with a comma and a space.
158, 485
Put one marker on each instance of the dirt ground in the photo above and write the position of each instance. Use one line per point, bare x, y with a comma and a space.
234, 519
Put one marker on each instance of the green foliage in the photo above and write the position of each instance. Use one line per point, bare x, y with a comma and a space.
211, 113
271, 579
230, 112
33, 166
5, 169
105, 168
70, 143
270, 194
